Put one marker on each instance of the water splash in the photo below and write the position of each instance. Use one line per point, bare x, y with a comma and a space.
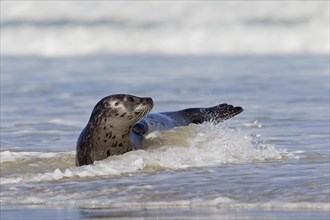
180, 148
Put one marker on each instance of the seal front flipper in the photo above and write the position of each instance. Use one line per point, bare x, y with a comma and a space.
141, 127
120, 122
216, 114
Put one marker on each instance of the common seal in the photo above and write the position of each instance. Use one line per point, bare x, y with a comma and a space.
118, 124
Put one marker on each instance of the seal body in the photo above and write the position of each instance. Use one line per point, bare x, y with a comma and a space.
118, 124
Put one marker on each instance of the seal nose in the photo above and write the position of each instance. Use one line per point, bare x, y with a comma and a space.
147, 100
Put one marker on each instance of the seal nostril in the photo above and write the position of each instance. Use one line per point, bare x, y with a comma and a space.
90, 147
149, 100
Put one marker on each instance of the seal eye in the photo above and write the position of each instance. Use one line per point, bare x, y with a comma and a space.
116, 104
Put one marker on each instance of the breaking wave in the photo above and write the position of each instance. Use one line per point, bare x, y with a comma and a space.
171, 28
180, 148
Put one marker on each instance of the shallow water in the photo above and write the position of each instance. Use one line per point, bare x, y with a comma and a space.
271, 161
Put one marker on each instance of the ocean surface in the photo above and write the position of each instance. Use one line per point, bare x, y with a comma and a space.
271, 161
76, 28
59, 58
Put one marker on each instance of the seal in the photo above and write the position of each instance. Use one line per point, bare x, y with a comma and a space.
119, 123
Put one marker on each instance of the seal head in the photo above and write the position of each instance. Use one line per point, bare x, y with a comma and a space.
120, 123
109, 129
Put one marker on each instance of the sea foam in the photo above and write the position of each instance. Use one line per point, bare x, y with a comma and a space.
173, 28
180, 148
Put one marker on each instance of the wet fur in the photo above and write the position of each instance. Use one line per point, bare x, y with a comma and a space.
119, 123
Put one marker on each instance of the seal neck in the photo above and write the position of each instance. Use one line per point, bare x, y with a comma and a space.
109, 140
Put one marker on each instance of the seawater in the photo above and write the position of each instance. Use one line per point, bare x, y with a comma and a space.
272, 160
71, 28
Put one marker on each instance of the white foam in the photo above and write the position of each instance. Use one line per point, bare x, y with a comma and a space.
7, 156
195, 203
254, 124
219, 202
164, 28
59, 121
192, 146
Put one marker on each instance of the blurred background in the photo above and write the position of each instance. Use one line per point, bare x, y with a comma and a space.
71, 28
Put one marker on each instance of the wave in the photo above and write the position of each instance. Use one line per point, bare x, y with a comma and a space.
219, 202
172, 28
181, 148
8, 156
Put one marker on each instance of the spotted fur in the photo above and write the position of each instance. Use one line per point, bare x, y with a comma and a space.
118, 124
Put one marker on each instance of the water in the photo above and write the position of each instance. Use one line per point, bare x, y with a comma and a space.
58, 59
71, 28
271, 161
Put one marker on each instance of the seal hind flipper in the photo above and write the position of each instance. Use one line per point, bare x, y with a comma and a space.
120, 122
217, 113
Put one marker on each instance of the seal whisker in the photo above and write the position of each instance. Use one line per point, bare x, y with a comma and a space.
124, 120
